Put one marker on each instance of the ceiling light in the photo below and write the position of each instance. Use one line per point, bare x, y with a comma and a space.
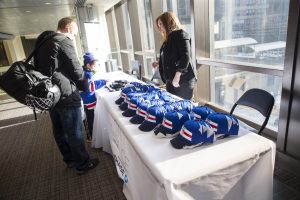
48, 3
28, 11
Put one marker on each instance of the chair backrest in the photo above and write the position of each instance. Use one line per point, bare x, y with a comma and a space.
136, 69
259, 100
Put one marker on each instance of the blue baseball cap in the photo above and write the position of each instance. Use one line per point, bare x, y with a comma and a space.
155, 115
172, 123
192, 134
184, 105
142, 109
132, 106
89, 58
123, 93
201, 112
223, 124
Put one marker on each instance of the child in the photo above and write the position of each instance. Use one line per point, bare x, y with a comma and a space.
89, 97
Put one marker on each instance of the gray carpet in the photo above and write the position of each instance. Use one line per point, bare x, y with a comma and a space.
32, 168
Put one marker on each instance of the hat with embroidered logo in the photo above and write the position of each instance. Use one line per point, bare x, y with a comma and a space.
192, 134
184, 105
89, 58
124, 105
142, 108
223, 124
132, 105
155, 115
201, 112
172, 123
123, 93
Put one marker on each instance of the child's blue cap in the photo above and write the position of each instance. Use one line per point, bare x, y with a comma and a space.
88, 58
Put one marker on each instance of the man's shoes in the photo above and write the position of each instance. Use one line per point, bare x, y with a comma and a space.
92, 164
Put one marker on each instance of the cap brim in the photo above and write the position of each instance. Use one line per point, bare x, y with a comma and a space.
179, 142
128, 113
137, 119
123, 106
147, 126
162, 129
119, 101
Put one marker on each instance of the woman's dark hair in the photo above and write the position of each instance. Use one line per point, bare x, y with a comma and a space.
169, 21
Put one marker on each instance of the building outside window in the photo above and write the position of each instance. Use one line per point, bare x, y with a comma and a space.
253, 34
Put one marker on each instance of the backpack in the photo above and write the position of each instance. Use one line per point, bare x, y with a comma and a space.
30, 87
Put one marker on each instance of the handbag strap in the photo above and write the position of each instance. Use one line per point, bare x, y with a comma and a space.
37, 47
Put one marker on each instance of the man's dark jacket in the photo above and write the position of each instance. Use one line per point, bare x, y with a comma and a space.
177, 57
57, 56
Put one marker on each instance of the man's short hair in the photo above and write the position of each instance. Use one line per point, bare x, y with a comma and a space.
62, 24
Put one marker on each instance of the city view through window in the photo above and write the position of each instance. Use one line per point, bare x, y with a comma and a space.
248, 32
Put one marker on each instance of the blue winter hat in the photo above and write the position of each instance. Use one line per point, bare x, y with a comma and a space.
155, 115
192, 134
223, 124
173, 122
89, 58
201, 112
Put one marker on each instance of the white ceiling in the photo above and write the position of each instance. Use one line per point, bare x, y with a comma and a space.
27, 17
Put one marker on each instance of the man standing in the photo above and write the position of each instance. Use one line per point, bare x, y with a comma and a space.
57, 56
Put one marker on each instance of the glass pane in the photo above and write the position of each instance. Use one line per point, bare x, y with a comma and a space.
230, 84
147, 26
127, 26
150, 70
250, 31
184, 15
182, 9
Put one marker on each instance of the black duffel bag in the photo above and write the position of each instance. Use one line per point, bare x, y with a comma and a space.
28, 86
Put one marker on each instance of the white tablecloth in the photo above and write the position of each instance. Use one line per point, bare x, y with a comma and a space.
235, 168
99, 138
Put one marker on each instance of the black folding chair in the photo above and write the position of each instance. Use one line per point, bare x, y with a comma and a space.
259, 100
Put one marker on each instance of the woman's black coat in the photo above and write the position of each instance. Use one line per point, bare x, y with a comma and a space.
176, 57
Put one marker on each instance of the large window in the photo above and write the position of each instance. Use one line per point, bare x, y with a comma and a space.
247, 33
230, 84
182, 9
250, 31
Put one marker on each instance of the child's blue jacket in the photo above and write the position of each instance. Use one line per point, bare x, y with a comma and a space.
89, 97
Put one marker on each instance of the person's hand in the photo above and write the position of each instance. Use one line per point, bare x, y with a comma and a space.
155, 64
176, 79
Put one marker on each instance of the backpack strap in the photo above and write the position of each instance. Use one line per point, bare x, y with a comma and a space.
37, 47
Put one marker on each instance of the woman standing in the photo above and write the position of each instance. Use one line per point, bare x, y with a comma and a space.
175, 65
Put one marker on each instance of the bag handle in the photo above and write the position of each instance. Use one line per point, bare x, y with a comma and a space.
37, 47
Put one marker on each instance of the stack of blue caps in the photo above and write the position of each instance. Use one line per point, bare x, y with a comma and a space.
172, 123
223, 124
142, 109
132, 105
201, 112
192, 134
155, 115
124, 105
184, 105
123, 93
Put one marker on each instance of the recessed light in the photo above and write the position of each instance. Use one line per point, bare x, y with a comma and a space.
28, 11
48, 3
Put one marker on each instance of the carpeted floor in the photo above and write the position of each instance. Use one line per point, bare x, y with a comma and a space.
32, 168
